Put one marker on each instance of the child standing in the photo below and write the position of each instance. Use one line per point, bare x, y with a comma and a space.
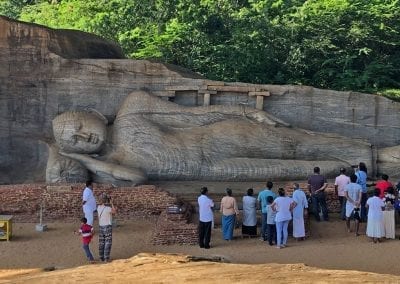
271, 227
87, 232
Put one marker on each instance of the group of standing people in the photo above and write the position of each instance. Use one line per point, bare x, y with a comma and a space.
276, 211
105, 211
355, 204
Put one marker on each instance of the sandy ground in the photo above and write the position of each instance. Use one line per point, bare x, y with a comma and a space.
330, 246
167, 268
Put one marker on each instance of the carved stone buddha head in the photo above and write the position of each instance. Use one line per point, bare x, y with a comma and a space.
80, 132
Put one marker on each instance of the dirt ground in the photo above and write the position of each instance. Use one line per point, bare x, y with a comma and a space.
330, 246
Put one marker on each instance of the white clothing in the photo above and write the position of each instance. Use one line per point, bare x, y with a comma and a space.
353, 190
90, 205
249, 210
282, 205
389, 224
375, 226
205, 208
298, 213
105, 215
341, 182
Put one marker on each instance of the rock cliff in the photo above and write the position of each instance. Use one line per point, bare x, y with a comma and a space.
44, 72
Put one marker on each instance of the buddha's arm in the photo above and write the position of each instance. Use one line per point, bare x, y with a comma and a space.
118, 172
144, 103
245, 111
389, 155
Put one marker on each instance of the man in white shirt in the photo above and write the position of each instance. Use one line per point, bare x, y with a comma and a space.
88, 202
353, 193
205, 218
340, 182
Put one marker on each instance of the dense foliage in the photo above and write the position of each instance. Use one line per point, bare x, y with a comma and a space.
337, 44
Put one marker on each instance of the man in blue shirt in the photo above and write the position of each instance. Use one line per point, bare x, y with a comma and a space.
361, 174
262, 199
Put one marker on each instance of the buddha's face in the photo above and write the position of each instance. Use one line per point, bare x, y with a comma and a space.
79, 132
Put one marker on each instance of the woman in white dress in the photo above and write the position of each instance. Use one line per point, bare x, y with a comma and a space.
249, 226
298, 212
375, 225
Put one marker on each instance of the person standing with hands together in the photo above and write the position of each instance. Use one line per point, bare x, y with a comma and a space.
353, 193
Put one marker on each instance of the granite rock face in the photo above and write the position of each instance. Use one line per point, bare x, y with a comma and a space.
45, 72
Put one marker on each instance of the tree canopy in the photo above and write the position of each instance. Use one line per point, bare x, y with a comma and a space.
335, 44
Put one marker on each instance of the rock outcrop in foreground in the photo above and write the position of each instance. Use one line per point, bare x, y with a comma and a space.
162, 268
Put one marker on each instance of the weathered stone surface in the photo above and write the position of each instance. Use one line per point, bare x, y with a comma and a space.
153, 139
44, 72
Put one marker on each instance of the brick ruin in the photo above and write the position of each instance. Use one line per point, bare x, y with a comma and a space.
63, 202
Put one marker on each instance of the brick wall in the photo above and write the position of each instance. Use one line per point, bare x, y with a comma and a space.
175, 229
332, 200
65, 201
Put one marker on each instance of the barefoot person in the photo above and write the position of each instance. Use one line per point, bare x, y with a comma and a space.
375, 225
262, 199
229, 210
299, 197
362, 175
105, 210
283, 206
88, 202
271, 224
87, 232
340, 182
353, 194
316, 185
206, 217
249, 226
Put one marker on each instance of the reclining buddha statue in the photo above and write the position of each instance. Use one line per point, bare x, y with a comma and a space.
153, 139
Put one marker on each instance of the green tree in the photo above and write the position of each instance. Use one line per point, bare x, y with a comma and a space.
338, 44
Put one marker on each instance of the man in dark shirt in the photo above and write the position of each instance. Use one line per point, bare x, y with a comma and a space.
316, 185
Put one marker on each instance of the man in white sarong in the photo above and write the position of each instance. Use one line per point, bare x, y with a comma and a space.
298, 212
